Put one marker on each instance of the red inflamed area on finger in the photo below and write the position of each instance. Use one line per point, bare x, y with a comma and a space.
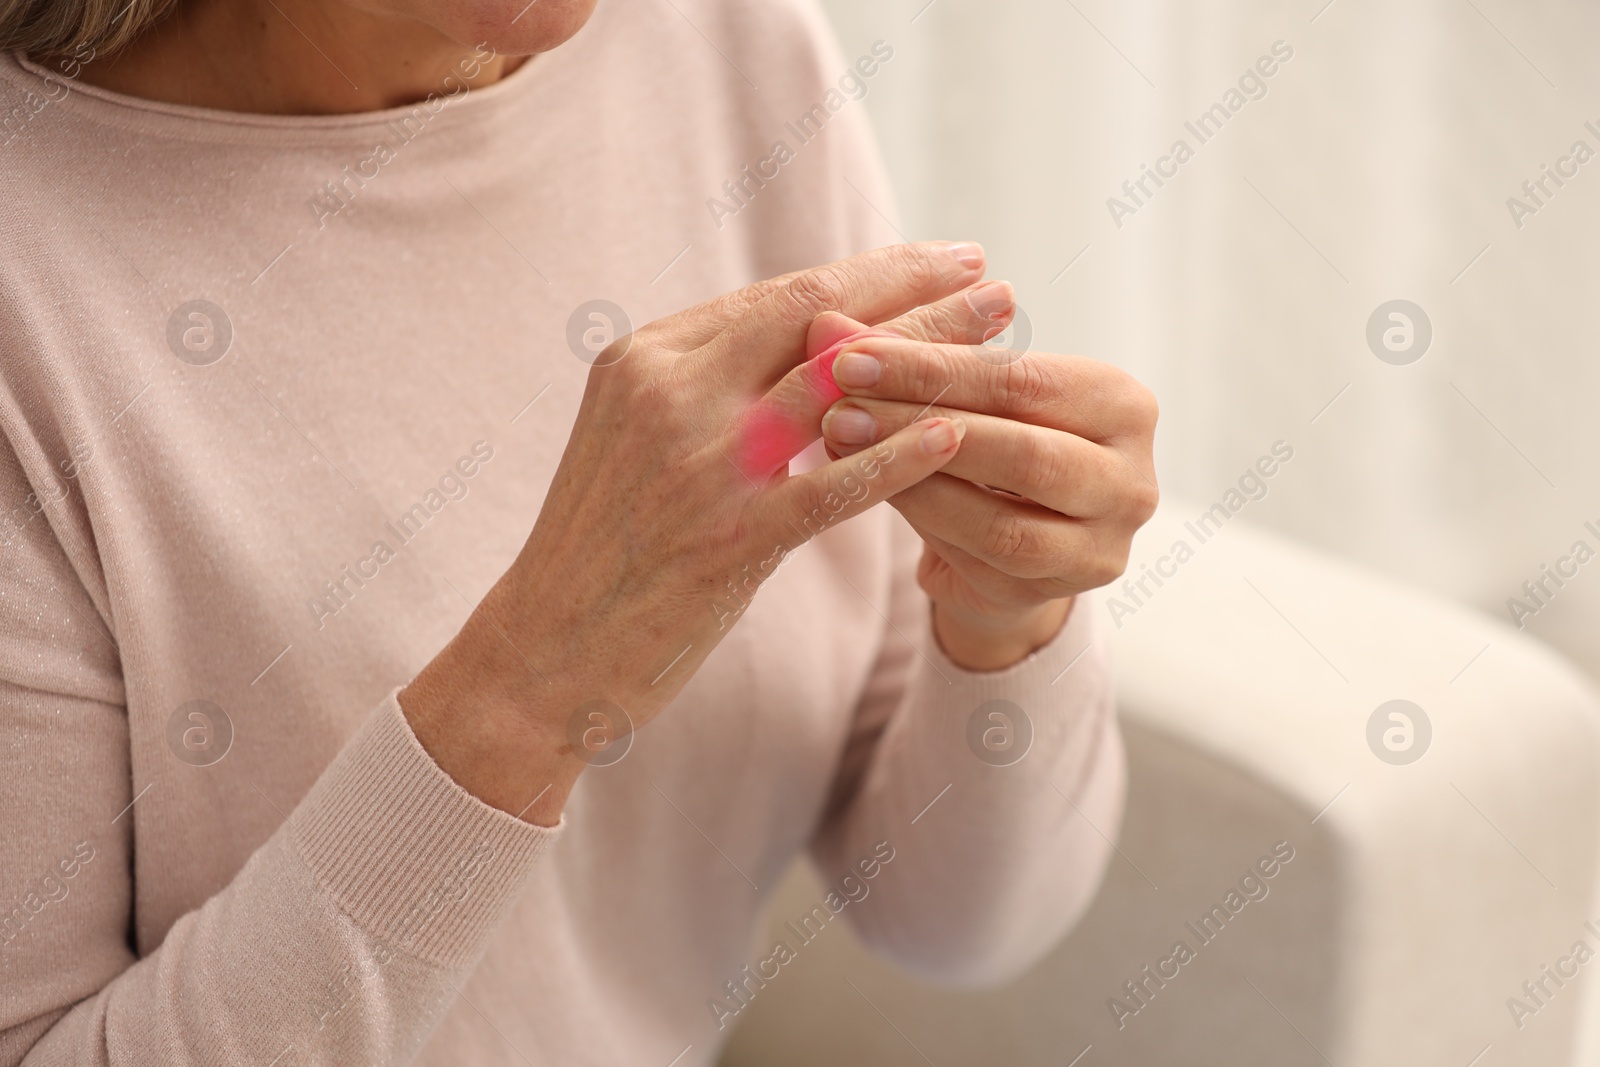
770, 437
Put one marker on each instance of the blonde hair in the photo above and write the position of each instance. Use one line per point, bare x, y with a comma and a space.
79, 28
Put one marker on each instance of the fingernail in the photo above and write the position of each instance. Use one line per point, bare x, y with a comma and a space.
848, 426
991, 300
857, 370
968, 254
943, 436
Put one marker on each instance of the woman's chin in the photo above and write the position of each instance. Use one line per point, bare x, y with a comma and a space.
510, 27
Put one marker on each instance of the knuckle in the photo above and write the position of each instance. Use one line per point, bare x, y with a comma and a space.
917, 267
966, 324
619, 372
1132, 494
1143, 410
1106, 559
816, 291
1132, 405
758, 291
1043, 465
664, 399
931, 323
655, 340
1004, 540
1029, 387
732, 305
615, 353
1106, 568
1143, 501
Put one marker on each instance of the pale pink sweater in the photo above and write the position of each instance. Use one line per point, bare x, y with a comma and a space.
292, 530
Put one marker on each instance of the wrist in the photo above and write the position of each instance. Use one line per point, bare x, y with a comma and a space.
490, 722
992, 642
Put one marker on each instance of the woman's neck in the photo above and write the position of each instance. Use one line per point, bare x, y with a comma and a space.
293, 57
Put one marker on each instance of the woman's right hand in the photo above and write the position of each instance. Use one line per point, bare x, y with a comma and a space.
670, 505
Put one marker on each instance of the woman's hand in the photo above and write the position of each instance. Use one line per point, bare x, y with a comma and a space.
671, 505
1053, 478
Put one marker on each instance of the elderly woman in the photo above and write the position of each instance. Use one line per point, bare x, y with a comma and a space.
310, 311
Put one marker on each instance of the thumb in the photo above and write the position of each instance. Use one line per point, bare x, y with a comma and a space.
828, 329
829, 333
802, 507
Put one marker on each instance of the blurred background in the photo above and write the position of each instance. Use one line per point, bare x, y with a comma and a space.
1376, 167
1431, 478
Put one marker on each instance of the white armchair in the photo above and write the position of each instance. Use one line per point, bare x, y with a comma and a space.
1420, 897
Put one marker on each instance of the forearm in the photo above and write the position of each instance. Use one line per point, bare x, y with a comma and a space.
340, 937
489, 718
1006, 850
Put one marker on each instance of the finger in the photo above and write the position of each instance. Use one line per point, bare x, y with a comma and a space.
703, 322
694, 327
1081, 396
768, 338
997, 586
1058, 470
969, 317
827, 337
830, 330
781, 424
808, 504
1015, 537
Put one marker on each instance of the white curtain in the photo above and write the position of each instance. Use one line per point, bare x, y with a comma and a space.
1376, 166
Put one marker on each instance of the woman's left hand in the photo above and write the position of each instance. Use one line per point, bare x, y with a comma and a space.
1053, 478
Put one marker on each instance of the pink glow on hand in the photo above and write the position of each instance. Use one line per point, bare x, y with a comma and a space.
823, 367
771, 437
767, 441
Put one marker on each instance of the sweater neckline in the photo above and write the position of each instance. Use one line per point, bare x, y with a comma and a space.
189, 123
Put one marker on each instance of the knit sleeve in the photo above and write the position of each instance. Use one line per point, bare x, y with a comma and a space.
340, 941
975, 810
997, 795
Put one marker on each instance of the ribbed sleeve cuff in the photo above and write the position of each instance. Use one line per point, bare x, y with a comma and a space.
1056, 661
411, 856
1058, 689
